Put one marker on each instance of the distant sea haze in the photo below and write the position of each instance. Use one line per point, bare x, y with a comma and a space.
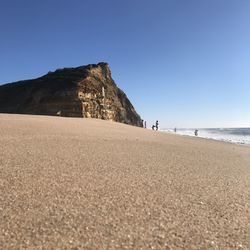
233, 135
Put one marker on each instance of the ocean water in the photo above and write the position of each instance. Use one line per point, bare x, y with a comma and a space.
233, 135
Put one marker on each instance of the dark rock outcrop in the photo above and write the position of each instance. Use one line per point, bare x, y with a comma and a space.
86, 91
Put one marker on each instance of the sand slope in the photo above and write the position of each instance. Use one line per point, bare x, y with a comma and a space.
91, 184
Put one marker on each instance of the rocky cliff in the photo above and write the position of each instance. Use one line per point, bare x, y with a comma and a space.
86, 91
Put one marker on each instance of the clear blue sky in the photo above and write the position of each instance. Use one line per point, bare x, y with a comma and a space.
183, 62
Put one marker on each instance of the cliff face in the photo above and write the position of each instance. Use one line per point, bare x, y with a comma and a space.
86, 91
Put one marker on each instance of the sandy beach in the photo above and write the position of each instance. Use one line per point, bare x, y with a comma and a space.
72, 183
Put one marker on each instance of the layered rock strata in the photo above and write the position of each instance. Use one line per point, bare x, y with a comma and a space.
86, 91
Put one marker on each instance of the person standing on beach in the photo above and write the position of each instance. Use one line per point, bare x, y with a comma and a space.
153, 127
145, 124
142, 122
157, 125
196, 132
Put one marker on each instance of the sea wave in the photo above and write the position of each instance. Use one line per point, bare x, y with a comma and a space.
232, 135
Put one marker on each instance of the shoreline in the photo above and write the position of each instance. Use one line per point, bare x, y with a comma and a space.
207, 138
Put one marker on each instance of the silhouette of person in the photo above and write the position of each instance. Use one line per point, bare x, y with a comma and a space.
153, 127
157, 125
196, 132
145, 124
142, 122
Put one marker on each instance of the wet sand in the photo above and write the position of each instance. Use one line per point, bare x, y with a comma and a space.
70, 183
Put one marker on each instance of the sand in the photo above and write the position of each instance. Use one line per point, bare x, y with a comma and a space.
71, 183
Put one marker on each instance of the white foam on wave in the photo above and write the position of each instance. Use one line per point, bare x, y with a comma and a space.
220, 134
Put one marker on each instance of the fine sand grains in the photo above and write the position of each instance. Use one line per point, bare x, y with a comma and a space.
71, 183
